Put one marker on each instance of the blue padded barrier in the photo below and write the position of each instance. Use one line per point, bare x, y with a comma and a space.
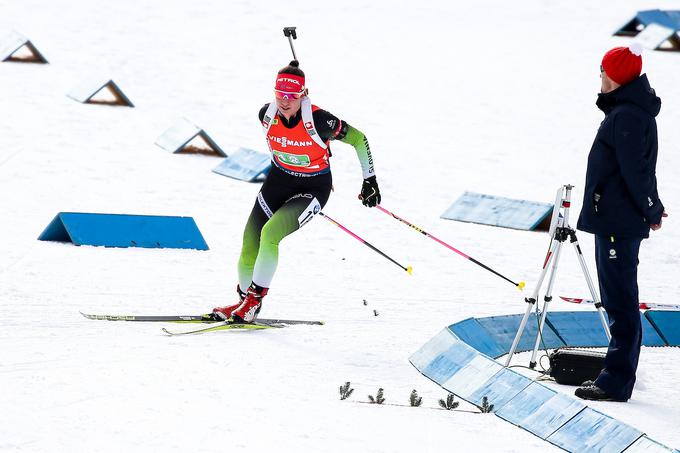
650, 335
647, 445
472, 333
501, 388
592, 431
667, 323
540, 410
578, 328
441, 357
504, 328
466, 381
245, 165
121, 230
461, 370
668, 19
584, 329
560, 419
499, 211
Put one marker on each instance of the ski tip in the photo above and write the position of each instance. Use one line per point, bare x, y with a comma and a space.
521, 285
409, 269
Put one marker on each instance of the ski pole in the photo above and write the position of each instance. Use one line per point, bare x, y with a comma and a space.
519, 285
289, 32
408, 269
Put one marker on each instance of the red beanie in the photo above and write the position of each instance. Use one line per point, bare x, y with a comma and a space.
623, 64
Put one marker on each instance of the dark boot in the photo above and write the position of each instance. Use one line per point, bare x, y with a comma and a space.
594, 393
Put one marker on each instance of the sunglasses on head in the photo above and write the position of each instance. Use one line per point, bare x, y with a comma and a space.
286, 95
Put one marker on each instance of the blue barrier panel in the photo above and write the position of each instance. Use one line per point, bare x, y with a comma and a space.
471, 377
650, 336
584, 329
504, 328
557, 418
246, 165
540, 410
647, 445
461, 370
501, 388
121, 230
578, 328
442, 356
592, 431
500, 211
472, 333
667, 323
668, 19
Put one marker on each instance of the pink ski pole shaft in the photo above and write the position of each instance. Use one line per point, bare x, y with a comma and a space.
519, 285
408, 269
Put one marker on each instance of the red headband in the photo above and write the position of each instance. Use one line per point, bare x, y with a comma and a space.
290, 83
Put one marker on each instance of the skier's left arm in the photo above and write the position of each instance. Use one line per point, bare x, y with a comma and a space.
331, 128
637, 168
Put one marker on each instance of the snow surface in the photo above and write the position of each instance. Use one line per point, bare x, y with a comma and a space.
494, 97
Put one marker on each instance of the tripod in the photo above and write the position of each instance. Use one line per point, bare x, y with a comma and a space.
559, 232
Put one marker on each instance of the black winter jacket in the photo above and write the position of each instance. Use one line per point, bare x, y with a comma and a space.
620, 196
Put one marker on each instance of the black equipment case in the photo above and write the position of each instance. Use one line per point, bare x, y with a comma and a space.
570, 367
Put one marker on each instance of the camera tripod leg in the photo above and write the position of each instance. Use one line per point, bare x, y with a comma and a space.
554, 250
546, 302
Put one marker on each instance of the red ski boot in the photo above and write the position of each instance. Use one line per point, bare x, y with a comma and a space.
251, 305
224, 313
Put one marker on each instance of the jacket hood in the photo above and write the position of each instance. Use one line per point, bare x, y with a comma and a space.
637, 92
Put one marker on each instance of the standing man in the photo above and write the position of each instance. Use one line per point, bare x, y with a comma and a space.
298, 186
620, 205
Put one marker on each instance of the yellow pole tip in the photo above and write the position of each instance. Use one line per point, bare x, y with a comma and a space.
522, 285
409, 270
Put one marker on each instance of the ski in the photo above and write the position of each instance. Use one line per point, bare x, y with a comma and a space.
208, 317
260, 324
643, 305
205, 318
221, 326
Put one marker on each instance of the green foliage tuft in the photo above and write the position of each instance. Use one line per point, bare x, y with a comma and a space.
486, 407
449, 404
415, 400
345, 391
378, 399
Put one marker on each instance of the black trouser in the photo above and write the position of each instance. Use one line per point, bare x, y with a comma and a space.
617, 261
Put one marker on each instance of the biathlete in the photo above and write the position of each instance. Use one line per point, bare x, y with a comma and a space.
298, 186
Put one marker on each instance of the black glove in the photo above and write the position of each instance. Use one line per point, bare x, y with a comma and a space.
370, 192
